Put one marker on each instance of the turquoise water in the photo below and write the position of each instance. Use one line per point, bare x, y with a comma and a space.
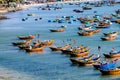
16, 64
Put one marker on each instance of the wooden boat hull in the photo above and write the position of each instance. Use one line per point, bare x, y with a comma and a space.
108, 38
80, 54
106, 66
23, 47
26, 37
59, 30
111, 34
116, 55
74, 60
84, 28
103, 25
85, 33
18, 43
47, 43
67, 51
72, 51
89, 62
96, 30
118, 21
110, 72
87, 8
39, 49
59, 48
55, 49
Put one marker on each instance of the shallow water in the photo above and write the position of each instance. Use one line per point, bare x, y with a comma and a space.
16, 64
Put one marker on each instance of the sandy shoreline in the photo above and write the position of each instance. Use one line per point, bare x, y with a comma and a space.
22, 7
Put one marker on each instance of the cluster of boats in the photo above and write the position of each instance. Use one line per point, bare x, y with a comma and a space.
58, 30
105, 67
29, 46
81, 56
90, 25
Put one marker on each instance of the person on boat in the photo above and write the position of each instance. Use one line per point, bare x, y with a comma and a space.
99, 47
113, 51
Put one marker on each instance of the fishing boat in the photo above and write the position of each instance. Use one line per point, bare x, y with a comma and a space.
95, 30
78, 11
106, 65
104, 24
85, 33
74, 60
85, 28
80, 54
27, 46
89, 62
26, 37
86, 20
30, 14
33, 49
21, 43
54, 48
110, 38
112, 55
58, 30
114, 71
23, 46
75, 50
115, 33
45, 8
86, 7
47, 43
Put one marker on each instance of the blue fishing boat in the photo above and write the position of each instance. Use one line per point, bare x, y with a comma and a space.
105, 66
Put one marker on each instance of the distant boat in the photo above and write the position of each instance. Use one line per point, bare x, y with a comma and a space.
58, 30
86, 7
108, 38
26, 37
78, 11
30, 14
59, 48
115, 33
80, 54
37, 49
21, 43
89, 62
85, 33
112, 55
85, 28
74, 60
